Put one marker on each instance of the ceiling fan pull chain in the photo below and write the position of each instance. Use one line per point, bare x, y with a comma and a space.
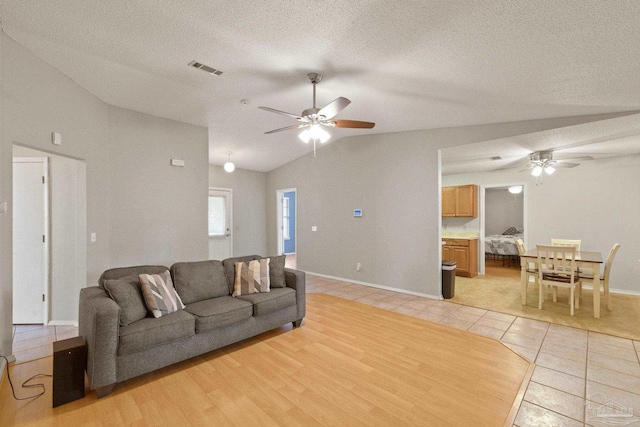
314, 146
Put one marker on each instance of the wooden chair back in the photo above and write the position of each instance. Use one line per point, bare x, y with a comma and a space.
610, 257
520, 245
557, 264
568, 242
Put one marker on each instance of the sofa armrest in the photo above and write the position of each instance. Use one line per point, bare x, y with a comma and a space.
296, 279
99, 318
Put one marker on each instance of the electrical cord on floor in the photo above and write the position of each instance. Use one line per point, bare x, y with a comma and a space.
25, 385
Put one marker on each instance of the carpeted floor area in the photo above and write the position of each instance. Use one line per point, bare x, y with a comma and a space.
499, 290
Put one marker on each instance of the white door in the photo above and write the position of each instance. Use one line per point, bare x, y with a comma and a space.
30, 240
220, 223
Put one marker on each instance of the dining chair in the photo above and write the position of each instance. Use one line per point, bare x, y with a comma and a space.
604, 278
531, 268
568, 242
557, 268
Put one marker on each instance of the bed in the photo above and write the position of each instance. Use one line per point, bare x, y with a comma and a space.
502, 244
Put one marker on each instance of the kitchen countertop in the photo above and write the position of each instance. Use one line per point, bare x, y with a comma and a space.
459, 235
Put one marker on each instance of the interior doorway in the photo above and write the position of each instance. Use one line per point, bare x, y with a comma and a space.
220, 223
30, 240
65, 241
503, 219
287, 225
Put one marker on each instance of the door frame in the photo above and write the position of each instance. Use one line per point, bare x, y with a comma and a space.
279, 234
46, 248
482, 217
231, 232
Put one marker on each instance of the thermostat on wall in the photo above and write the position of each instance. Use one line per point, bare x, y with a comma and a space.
357, 212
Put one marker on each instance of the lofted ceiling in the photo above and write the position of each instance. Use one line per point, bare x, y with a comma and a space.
405, 65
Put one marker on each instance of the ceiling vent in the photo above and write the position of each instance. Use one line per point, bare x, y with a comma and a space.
496, 158
210, 70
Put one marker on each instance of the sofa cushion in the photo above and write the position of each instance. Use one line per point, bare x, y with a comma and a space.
198, 281
159, 294
126, 292
219, 312
230, 268
276, 271
266, 303
116, 273
150, 332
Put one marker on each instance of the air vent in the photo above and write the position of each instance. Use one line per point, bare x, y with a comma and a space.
496, 158
210, 70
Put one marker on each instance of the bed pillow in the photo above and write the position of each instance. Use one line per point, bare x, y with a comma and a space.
511, 231
159, 294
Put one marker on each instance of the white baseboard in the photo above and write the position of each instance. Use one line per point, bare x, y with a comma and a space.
374, 285
614, 290
63, 323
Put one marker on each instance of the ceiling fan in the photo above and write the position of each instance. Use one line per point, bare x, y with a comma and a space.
313, 119
543, 161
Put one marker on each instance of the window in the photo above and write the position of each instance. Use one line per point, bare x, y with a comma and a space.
285, 218
217, 220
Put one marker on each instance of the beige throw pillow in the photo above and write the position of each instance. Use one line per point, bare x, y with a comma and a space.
159, 294
265, 281
247, 278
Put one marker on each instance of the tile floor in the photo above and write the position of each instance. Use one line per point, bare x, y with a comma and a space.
31, 342
576, 372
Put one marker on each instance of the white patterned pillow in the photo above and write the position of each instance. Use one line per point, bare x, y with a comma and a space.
159, 294
265, 281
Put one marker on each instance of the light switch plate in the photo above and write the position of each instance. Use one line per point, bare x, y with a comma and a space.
177, 162
314, 228
56, 138
93, 237
3, 207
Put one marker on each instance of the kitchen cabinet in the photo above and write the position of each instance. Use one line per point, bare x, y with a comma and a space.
460, 201
464, 252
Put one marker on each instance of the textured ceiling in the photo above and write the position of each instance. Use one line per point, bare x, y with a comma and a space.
405, 65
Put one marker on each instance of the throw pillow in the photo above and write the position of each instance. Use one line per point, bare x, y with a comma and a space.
247, 278
159, 294
276, 272
510, 231
265, 281
126, 292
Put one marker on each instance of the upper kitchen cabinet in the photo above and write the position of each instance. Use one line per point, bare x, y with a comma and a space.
460, 201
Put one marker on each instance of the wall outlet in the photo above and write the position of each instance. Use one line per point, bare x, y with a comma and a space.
358, 266
4, 207
314, 228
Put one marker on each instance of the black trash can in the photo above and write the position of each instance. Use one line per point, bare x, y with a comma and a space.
448, 279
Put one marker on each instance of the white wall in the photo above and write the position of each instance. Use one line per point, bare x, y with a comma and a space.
127, 169
597, 202
249, 208
158, 212
395, 179
502, 210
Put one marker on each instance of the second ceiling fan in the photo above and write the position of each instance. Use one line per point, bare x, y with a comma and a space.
314, 119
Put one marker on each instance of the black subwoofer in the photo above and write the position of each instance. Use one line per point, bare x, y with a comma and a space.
69, 364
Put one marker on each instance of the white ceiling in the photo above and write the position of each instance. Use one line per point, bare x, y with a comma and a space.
405, 65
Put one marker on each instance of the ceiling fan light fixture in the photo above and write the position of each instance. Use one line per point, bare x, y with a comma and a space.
315, 132
549, 170
229, 166
515, 189
537, 171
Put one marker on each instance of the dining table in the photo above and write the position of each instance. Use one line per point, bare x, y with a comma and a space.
584, 259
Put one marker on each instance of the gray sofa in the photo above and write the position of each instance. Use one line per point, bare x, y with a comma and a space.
124, 342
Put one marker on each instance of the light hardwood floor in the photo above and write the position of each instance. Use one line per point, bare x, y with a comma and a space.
349, 364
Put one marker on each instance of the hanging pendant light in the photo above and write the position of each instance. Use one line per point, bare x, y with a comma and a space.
229, 166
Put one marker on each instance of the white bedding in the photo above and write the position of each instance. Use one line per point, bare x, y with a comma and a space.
501, 244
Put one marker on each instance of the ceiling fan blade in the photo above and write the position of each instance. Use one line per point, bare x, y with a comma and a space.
355, 124
563, 164
574, 159
287, 128
334, 107
295, 116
